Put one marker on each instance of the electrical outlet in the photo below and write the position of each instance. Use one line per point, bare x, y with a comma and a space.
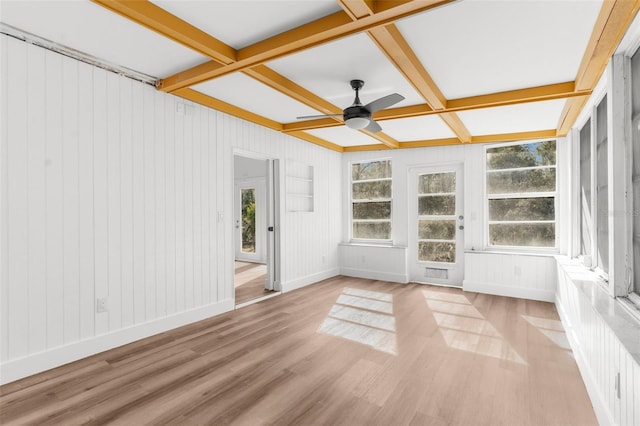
364, 259
101, 305
324, 259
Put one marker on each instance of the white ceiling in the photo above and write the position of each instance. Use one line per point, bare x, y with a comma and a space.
467, 47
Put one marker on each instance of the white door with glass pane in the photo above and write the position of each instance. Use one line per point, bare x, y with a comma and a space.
436, 225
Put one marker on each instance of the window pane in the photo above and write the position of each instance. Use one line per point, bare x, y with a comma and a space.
585, 189
635, 174
522, 209
248, 220
372, 230
379, 210
437, 229
372, 190
602, 187
523, 234
436, 252
536, 180
524, 155
371, 170
437, 183
437, 205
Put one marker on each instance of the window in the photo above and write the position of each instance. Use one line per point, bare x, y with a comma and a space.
585, 193
594, 189
371, 200
521, 195
635, 171
602, 187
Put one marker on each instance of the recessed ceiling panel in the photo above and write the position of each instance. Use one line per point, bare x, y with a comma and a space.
247, 93
476, 47
513, 118
94, 30
417, 128
344, 136
327, 69
240, 23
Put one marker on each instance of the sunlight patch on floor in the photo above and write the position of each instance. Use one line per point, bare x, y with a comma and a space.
463, 327
551, 328
365, 317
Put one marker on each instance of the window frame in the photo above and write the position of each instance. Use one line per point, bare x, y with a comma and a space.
592, 261
633, 289
376, 241
487, 222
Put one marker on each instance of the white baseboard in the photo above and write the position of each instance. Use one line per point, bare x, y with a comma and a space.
55, 357
374, 275
309, 279
509, 291
603, 414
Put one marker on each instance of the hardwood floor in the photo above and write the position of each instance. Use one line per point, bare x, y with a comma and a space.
249, 281
342, 352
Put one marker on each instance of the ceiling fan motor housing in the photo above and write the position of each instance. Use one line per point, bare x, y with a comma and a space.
356, 111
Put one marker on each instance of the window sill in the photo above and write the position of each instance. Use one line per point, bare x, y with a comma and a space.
371, 244
515, 252
624, 325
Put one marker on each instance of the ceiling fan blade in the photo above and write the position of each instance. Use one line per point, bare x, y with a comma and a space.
304, 117
373, 127
383, 102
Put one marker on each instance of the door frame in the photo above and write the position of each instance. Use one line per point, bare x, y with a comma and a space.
273, 214
455, 271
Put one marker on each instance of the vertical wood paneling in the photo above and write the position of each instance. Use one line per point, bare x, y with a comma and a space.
222, 210
205, 212
179, 212
37, 198
114, 225
149, 158
71, 200
603, 354
138, 206
170, 197
55, 234
100, 191
109, 192
196, 231
86, 228
160, 216
4, 197
187, 167
126, 202
17, 202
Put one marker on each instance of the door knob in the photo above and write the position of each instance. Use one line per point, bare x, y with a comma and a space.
461, 227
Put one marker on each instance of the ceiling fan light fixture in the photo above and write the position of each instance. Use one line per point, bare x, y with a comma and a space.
357, 123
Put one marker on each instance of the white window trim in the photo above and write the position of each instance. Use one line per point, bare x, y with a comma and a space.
520, 249
351, 201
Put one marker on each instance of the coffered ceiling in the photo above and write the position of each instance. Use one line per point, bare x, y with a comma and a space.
470, 70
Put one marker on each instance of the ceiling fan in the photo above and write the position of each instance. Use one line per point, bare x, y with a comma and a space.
358, 116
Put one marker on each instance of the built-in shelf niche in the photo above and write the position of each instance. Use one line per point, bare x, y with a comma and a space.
299, 187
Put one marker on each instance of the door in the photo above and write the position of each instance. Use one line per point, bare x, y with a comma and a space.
250, 221
436, 225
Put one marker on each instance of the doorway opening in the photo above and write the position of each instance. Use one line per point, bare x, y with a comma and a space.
255, 234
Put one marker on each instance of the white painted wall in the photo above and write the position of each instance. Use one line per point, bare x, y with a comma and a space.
108, 192
494, 272
605, 341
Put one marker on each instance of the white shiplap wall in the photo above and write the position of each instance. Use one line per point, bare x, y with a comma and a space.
107, 191
605, 341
